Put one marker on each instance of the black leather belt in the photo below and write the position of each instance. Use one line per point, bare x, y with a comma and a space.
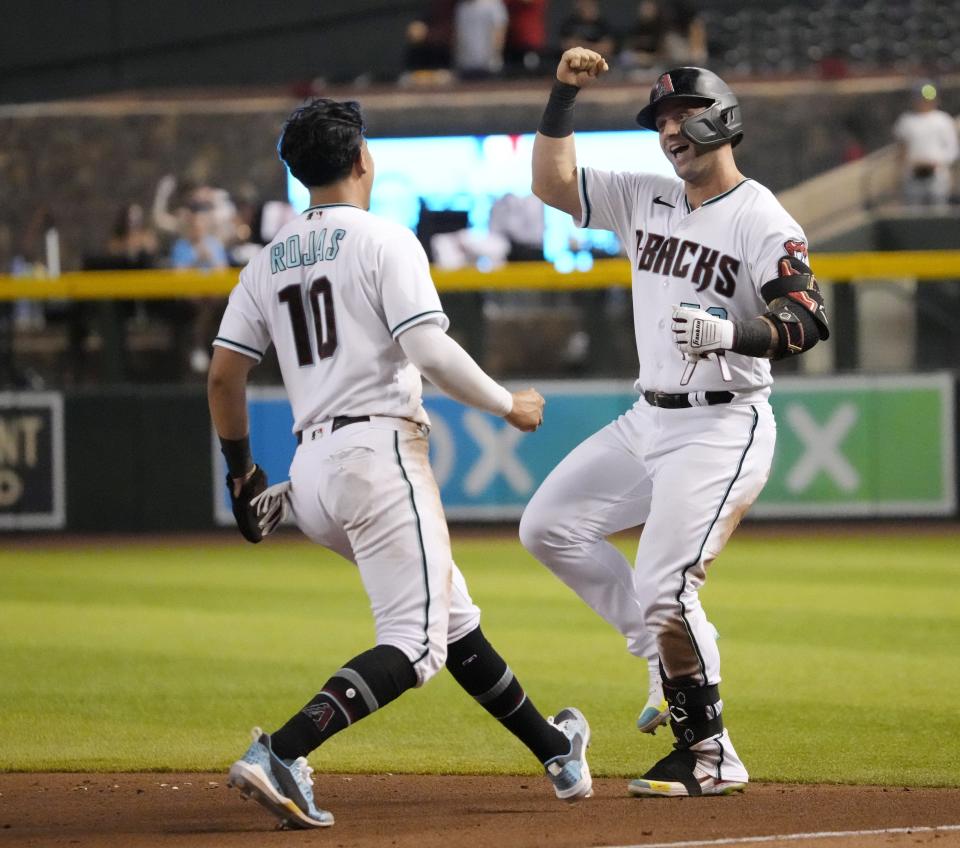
338, 422
668, 401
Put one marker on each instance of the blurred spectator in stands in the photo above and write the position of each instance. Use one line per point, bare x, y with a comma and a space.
172, 209
480, 28
685, 42
132, 242
198, 247
928, 148
526, 41
168, 217
32, 259
223, 211
428, 53
256, 224
521, 221
643, 46
132, 245
586, 27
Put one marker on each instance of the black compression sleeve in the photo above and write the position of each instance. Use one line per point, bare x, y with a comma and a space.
557, 120
752, 338
237, 454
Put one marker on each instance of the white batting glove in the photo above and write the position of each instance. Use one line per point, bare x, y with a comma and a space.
699, 332
272, 505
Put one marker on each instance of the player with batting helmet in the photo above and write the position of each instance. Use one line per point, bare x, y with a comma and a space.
721, 286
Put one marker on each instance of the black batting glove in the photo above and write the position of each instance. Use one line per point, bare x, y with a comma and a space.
244, 512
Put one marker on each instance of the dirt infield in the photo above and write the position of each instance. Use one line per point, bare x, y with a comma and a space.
404, 811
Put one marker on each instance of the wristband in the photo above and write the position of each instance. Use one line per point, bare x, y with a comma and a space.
557, 120
237, 454
752, 338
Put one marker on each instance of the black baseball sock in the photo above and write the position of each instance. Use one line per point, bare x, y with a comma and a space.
369, 681
479, 669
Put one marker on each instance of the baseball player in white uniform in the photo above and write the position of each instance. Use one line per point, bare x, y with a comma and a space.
720, 287
348, 301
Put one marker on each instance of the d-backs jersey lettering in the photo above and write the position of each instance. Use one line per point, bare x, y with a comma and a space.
332, 292
715, 257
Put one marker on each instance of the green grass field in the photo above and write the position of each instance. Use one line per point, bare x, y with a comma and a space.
840, 659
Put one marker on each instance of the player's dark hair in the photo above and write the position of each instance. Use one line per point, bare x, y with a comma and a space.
321, 141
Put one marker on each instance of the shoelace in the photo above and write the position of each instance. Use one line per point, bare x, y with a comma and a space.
304, 776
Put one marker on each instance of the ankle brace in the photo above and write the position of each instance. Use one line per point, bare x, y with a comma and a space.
695, 712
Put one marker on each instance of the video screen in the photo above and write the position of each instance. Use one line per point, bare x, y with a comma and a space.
480, 175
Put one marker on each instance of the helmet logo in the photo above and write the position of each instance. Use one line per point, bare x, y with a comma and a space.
663, 87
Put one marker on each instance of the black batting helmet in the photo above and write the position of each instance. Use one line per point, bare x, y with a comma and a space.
719, 124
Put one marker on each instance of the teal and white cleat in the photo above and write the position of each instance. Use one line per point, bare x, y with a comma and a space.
285, 789
569, 772
654, 714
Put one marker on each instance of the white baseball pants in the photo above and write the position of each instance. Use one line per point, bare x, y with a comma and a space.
688, 476
367, 492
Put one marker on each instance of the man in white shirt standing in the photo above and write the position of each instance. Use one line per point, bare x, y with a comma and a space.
928, 143
347, 299
480, 29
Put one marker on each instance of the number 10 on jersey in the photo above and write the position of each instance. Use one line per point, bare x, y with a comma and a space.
320, 296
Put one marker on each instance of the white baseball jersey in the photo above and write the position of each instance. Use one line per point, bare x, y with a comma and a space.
929, 137
715, 257
332, 291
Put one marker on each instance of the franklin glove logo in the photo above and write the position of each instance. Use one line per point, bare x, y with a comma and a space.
696, 336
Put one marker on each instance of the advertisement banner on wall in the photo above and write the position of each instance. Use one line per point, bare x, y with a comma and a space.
846, 446
863, 446
32, 479
486, 469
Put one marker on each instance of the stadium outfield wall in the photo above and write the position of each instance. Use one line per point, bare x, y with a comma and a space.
142, 460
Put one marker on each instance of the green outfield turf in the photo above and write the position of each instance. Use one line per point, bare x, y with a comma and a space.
840, 659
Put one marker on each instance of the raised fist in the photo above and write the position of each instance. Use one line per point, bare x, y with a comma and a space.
579, 66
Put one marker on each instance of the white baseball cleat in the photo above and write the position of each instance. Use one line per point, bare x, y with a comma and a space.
569, 772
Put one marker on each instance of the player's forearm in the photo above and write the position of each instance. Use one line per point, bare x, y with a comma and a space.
452, 370
228, 409
555, 152
554, 169
227, 393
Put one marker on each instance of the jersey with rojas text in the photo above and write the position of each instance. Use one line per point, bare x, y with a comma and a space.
333, 291
715, 257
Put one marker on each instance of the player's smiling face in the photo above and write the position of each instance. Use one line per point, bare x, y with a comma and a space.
678, 149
